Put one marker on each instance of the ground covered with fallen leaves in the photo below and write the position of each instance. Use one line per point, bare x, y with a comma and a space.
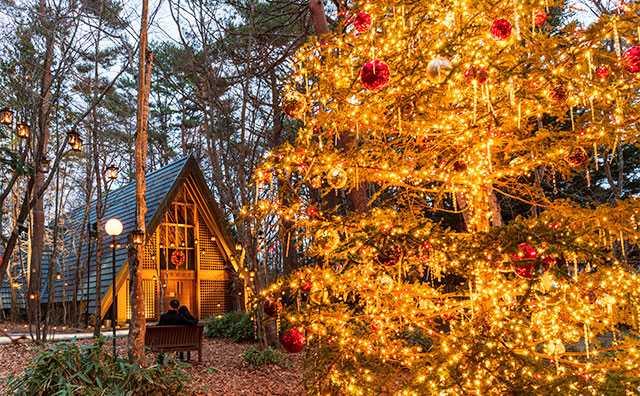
223, 372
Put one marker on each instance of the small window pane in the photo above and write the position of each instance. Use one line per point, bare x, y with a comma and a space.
181, 218
190, 215
190, 237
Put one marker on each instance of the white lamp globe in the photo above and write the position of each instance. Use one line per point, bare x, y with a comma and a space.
113, 227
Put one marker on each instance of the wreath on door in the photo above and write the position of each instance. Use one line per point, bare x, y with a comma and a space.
177, 258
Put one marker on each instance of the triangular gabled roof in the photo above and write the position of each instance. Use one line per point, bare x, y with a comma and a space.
161, 189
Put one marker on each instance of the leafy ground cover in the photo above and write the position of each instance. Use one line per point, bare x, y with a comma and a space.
223, 372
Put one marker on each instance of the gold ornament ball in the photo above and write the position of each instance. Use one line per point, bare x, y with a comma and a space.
327, 239
294, 104
318, 295
557, 93
438, 70
337, 178
571, 336
554, 347
384, 283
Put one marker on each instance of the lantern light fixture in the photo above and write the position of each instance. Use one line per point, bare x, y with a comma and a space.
238, 247
58, 276
45, 165
23, 131
137, 237
72, 137
6, 116
77, 146
112, 172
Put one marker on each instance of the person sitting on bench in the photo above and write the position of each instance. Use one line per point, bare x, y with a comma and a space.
175, 318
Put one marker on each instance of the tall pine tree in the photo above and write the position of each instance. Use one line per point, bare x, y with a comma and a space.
439, 112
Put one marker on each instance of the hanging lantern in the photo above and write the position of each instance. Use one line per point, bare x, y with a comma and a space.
72, 137
45, 165
112, 172
6, 116
58, 276
77, 146
23, 131
137, 237
238, 247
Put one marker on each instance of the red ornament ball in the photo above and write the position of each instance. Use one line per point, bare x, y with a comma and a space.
602, 72
529, 265
539, 18
293, 340
390, 256
376, 325
375, 75
271, 306
577, 157
500, 29
306, 287
363, 22
631, 59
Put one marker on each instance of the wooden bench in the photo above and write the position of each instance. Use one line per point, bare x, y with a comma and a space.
175, 339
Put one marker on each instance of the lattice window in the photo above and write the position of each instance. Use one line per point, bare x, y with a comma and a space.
150, 293
149, 260
149, 290
214, 297
211, 258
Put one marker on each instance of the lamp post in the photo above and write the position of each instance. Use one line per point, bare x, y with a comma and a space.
113, 227
93, 235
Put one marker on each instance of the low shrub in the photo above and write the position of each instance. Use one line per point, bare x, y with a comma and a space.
235, 325
64, 368
257, 356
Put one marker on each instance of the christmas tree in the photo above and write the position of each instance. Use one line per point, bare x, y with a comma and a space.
419, 122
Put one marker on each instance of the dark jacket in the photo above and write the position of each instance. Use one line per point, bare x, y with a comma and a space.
173, 318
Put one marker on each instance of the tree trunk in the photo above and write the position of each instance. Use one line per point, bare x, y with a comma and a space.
318, 17
37, 226
136, 253
99, 211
